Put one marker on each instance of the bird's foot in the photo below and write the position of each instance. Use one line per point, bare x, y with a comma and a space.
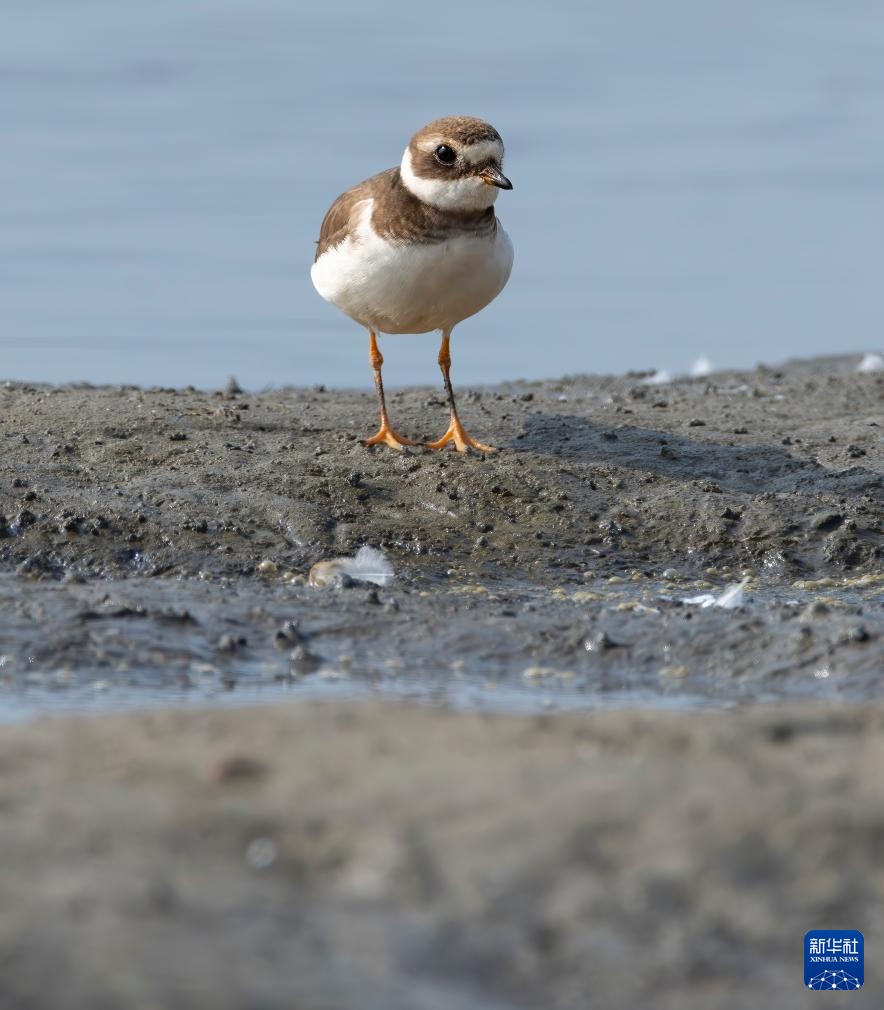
389, 436
462, 439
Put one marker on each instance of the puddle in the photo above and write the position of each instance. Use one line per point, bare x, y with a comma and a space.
495, 646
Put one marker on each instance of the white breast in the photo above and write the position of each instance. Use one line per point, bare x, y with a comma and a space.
400, 287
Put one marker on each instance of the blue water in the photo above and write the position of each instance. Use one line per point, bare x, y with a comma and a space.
691, 178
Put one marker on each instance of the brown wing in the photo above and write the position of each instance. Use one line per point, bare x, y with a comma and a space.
336, 223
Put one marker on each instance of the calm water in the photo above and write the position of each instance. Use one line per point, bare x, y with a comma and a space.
691, 179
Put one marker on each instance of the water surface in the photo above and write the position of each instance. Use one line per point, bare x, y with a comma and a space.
691, 179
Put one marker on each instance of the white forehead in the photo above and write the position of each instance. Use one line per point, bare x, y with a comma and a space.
475, 154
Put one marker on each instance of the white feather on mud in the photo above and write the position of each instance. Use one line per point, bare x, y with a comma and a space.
659, 378
732, 596
368, 565
871, 363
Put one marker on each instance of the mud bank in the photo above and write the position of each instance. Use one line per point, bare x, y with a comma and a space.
777, 469
160, 539
387, 857
330, 855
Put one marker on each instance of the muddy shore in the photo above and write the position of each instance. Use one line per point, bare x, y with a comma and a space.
776, 468
668, 851
161, 538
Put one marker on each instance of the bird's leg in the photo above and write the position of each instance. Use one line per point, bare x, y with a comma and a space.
386, 433
456, 432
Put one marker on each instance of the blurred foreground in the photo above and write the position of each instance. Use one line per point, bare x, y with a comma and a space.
385, 857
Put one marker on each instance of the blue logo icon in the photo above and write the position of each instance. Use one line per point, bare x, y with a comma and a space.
834, 959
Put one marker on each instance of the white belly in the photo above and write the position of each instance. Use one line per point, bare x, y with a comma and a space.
401, 288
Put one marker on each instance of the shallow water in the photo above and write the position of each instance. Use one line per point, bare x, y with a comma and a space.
156, 642
471, 694
691, 179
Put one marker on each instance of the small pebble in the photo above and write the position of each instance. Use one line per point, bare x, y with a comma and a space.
288, 635
826, 521
227, 643
854, 635
236, 768
814, 610
261, 853
601, 641
303, 660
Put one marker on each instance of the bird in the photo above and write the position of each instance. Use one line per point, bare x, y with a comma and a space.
419, 248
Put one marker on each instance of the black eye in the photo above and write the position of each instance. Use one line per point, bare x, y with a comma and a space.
445, 154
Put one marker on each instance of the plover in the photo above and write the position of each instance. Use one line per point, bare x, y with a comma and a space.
419, 248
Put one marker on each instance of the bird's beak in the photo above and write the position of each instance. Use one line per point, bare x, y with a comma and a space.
494, 177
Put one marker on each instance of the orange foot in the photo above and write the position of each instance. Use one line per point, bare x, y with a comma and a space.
388, 435
458, 434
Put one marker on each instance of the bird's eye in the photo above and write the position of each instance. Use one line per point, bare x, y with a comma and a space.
445, 154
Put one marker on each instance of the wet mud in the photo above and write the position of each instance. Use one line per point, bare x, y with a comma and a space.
162, 539
610, 794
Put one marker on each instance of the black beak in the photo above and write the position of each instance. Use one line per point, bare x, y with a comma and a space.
494, 177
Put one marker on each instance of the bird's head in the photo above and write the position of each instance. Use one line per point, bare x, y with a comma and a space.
454, 164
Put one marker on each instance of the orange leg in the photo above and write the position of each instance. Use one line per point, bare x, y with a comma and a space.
456, 432
386, 433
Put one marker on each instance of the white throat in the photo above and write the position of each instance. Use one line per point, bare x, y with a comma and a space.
469, 194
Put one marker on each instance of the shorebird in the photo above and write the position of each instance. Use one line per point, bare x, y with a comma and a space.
419, 248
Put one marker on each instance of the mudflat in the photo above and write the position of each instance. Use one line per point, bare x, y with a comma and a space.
161, 539
616, 790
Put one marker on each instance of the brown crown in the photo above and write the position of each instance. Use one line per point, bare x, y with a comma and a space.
460, 130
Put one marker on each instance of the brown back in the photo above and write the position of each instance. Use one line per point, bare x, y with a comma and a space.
398, 215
